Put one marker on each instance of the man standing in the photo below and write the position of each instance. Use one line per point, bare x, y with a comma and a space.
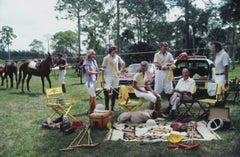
62, 64
163, 61
221, 63
183, 91
111, 64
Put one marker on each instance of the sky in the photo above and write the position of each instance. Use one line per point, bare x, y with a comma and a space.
36, 19
31, 19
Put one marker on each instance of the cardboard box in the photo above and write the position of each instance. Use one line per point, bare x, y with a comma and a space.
100, 120
223, 113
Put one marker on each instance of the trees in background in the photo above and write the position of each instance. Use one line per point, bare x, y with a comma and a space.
64, 42
36, 46
6, 37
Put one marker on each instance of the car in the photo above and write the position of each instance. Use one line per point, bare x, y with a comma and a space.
201, 70
127, 77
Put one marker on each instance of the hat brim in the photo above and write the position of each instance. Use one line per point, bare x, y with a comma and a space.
100, 111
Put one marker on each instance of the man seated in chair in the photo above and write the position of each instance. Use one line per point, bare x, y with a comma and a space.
183, 91
142, 89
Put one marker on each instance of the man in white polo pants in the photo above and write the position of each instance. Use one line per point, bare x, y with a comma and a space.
111, 64
163, 61
221, 63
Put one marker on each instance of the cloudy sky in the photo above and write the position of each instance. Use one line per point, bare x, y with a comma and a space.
31, 19
36, 19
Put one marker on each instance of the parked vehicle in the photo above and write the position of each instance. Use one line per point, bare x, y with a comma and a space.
132, 69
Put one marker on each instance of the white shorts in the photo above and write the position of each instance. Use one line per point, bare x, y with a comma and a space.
148, 96
162, 84
62, 74
91, 87
111, 82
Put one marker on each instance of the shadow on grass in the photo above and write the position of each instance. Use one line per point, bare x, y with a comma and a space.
27, 93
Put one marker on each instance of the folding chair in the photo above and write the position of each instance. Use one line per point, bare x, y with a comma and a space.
217, 98
99, 90
61, 105
124, 99
185, 106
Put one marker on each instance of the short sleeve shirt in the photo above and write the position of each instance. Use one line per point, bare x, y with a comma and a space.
186, 85
116, 60
63, 62
91, 65
221, 60
167, 57
140, 79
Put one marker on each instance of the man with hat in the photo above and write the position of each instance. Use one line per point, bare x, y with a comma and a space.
62, 64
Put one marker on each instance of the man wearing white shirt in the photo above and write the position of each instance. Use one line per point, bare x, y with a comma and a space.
163, 61
183, 91
111, 68
221, 63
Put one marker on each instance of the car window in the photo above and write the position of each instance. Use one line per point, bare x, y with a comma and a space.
199, 67
133, 68
151, 68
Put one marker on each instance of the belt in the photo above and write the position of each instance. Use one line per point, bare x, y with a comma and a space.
161, 69
219, 74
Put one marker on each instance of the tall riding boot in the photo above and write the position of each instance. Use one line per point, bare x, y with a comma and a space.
168, 109
63, 88
92, 104
106, 97
114, 97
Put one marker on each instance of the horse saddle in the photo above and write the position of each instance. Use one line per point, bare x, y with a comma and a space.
34, 65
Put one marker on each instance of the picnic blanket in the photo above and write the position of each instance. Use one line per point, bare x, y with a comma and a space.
139, 132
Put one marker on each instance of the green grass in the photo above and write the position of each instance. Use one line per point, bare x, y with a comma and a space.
21, 134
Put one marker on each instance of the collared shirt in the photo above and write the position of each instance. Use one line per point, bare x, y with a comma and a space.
167, 57
186, 85
221, 60
140, 79
91, 65
63, 62
116, 60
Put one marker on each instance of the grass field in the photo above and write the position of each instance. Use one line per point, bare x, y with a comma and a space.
21, 134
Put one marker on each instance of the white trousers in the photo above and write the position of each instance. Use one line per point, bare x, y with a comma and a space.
161, 83
111, 82
148, 96
177, 97
62, 74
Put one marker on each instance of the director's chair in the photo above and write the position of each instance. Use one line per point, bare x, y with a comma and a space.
124, 99
99, 89
218, 99
57, 100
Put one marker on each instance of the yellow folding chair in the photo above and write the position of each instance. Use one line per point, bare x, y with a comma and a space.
57, 100
124, 99
99, 89
217, 98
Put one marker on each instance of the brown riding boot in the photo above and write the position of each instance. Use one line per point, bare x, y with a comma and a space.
63, 88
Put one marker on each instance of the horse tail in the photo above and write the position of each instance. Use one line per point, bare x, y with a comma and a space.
20, 75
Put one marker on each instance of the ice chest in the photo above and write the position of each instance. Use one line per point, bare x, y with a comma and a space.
100, 120
223, 113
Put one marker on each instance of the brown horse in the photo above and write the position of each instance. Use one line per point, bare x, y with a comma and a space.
10, 69
2, 73
43, 70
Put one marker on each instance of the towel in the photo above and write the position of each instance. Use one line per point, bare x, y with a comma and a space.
123, 95
211, 89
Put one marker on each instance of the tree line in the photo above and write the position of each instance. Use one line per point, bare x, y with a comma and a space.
139, 26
